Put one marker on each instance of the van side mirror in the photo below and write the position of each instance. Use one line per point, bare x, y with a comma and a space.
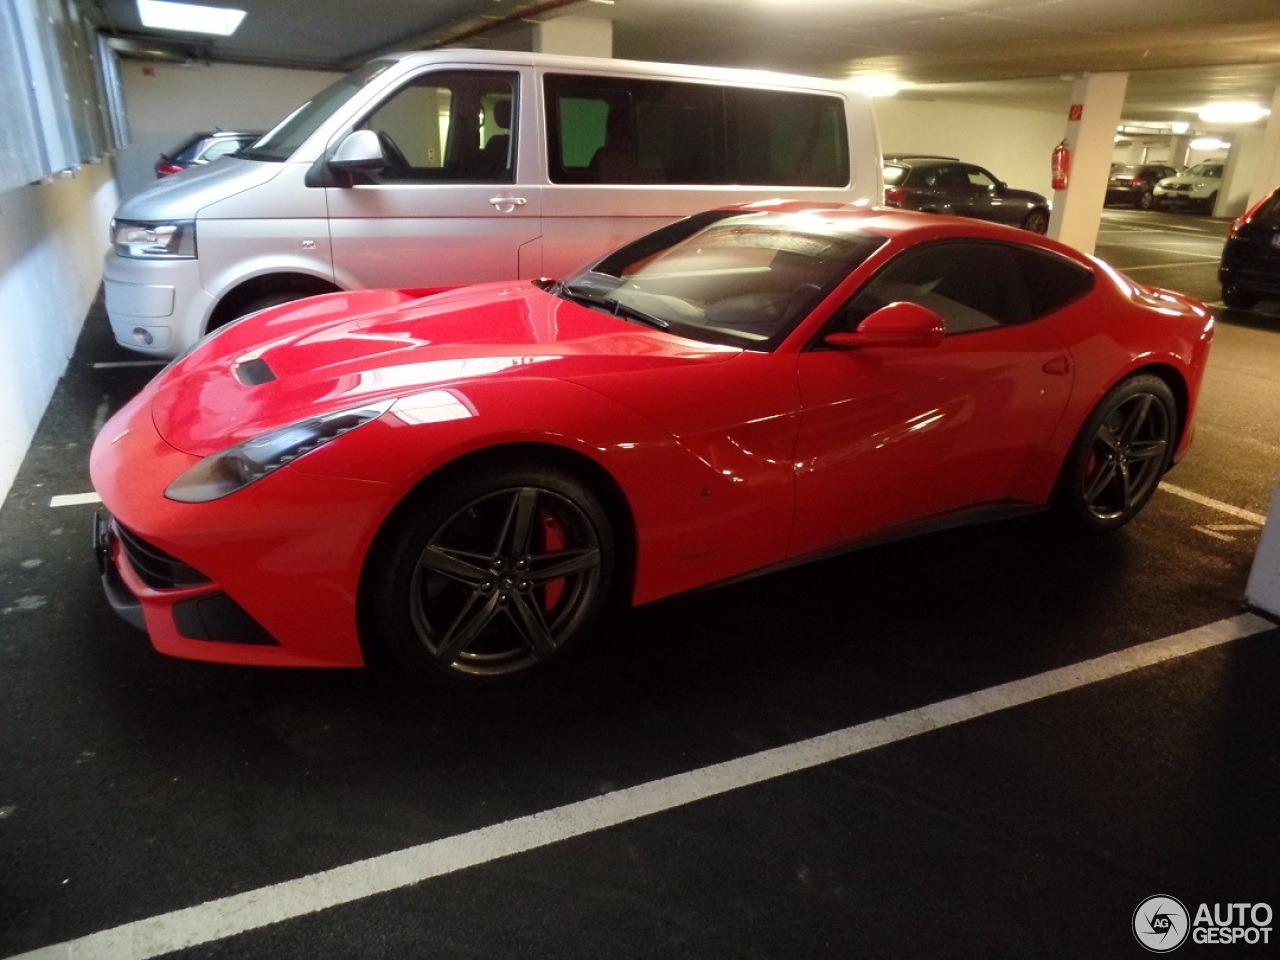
900, 324
359, 152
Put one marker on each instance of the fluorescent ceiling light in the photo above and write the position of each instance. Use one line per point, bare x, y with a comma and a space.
189, 17
1233, 113
877, 84
1209, 143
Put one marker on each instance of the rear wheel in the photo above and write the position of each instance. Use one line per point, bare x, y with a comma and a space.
1238, 299
1145, 200
1117, 461
499, 572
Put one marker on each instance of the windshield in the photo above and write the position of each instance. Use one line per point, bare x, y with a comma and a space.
279, 144
744, 279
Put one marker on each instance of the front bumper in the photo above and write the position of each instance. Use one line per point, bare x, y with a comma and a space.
156, 307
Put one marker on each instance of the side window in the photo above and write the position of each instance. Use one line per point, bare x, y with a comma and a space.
787, 139
619, 130
451, 127
977, 177
972, 285
615, 130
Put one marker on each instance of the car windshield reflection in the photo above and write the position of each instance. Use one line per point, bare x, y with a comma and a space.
732, 278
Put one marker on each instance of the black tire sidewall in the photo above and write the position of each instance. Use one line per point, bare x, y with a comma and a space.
412, 528
1069, 506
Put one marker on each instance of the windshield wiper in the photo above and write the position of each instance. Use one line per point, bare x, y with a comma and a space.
613, 306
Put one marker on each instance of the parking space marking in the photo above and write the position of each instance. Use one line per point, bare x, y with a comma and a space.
1163, 266
74, 499
218, 919
1218, 505
118, 364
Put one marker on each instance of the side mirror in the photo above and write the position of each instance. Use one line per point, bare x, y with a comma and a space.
1001, 187
360, 151
900, 324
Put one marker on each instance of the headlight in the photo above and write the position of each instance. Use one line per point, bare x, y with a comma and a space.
236, 467
175, 240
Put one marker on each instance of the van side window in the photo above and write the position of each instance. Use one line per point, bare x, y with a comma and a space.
790, 139
620, 130
448, 127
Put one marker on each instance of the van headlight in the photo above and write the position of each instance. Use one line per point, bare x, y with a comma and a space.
171, 240
236, 467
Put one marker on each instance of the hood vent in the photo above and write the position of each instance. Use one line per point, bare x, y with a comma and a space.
254, 373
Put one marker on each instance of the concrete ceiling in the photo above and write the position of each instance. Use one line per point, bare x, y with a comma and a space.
1180, 54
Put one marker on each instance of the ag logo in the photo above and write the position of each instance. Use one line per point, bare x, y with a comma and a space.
1161, 924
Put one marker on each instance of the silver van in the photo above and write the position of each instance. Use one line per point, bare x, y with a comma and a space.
434, 169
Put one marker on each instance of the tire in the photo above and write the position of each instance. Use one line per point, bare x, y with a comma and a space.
1037, 221
1145, 200
1238, 299
1116, 462
497, 573
1210, 202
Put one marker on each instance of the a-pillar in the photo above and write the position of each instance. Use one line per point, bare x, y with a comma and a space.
574, 36
1097, 101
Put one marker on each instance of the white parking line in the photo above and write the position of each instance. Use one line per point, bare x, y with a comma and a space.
1163, 266
74, 499
254, 909
118, 364
1218, 505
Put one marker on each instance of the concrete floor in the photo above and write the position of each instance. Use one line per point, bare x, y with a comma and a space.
1028, 815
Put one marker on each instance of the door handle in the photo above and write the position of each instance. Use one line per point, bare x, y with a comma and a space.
508, 201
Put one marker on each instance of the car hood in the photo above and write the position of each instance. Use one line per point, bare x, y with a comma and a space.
1183, 178
182, 195
343, 350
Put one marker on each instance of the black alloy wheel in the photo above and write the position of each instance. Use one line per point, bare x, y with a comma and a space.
1117, 461
1037, 221
1145, 199
499, 573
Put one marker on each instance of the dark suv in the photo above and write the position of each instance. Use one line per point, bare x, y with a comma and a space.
202, 148
1250, 268
948, 185
1134, 183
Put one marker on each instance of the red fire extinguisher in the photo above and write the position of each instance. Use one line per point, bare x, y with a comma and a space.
1061, 166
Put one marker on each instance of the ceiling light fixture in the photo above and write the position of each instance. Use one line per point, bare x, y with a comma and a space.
189, 17
1233, 113
877, 84
1209, 143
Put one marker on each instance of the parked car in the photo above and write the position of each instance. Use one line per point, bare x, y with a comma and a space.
468, 479
538, 163
949, 185
1250, 267
1196, 188
202, 148
1135, 184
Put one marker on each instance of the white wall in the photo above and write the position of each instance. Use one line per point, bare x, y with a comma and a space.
52, 239
167, 102
1015, 144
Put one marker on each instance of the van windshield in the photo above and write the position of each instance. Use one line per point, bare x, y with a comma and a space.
279, 145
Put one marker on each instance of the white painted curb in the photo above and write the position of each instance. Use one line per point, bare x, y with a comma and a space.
1263, 590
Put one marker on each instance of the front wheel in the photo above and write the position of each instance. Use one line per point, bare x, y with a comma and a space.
1117, 461
497, 573
1037, 221
1238, 299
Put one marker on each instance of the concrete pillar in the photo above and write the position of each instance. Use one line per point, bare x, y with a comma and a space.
574, 36
1097, 101
1267, 175
1263, 590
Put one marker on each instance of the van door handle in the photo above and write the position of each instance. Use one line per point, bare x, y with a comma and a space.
508, 201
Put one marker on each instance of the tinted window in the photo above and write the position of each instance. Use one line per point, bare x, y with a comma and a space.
1269, 213
611, 130
447, 126
972, 285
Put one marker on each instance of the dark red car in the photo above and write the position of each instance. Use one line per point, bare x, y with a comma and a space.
469, 479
